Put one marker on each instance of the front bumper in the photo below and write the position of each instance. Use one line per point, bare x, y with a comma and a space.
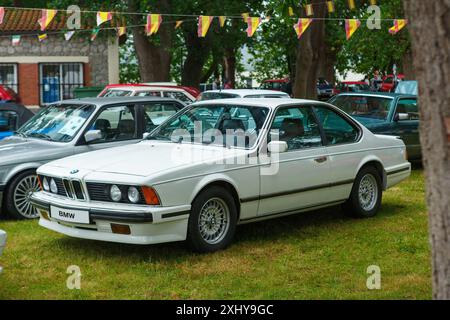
147, 224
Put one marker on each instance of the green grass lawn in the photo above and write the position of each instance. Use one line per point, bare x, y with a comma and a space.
316, 255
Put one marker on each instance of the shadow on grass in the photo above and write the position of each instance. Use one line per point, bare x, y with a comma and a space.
258, 233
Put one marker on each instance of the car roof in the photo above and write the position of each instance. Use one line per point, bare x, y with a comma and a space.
267, 102
147, 88
377, 94
116, 100
246, 92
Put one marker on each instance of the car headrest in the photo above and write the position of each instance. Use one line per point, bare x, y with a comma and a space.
232, 124
102, 124
292, 128
126, 126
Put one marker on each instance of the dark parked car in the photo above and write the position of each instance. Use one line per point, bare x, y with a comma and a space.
12, 117
385, 113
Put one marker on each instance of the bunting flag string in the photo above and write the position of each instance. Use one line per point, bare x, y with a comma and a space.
103, 17
68, 35
178, 24
15, 40
153, 23
47, 17
309, 10
121, 31
252, 24
42, 37
330, 6
351, 25
203, 25
301, 26
95, 33
399, 24
2, 14
222, 20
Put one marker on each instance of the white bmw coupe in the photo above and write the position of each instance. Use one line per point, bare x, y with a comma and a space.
218, 164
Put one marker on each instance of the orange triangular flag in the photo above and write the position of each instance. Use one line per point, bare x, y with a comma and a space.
399, 24
351, 25
153, 23
301, 26
46, 18
252, 24
203, 25
178, 24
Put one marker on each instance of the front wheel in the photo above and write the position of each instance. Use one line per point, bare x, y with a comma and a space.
18, 196
212, 222
367, 192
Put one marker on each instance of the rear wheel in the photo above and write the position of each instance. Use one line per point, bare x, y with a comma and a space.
365, 199
212, 223
18, 196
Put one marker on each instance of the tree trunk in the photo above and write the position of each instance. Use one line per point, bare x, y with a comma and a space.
408, 67
230, 66
429, 27
307, 64
154, 58
198, 50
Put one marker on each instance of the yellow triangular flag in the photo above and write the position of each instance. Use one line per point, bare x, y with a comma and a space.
222, 20
301, 26
252, 24
351, 25
203, 25
102, 17
399, 24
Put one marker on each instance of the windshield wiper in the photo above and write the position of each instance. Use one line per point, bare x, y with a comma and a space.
20, 134
41, 136
158, 137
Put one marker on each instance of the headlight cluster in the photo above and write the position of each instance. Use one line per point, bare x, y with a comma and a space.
133, 194
49, 185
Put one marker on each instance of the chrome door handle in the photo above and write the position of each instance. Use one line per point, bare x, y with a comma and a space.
321, 159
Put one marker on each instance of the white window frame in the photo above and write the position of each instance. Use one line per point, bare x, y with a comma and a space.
15, 84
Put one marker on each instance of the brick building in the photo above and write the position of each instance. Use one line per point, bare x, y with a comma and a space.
48, 71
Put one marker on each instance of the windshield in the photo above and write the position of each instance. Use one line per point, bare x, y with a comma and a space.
59, 123
364, 106
110, 93
224, 125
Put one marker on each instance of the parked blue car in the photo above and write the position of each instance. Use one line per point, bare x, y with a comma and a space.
12, 117
385, 113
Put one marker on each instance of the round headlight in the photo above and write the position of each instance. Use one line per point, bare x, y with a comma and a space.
115, 193
45, 185
133, 195
53, 186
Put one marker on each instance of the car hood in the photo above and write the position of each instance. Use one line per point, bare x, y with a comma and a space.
17, 150
145, 158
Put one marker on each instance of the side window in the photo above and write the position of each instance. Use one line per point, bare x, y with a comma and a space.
116, 124
157, 113
148, 94
409, 108
8, 121
298, 127
337, 129
177, 95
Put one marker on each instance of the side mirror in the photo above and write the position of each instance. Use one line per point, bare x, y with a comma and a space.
277, 147
401, 117
92, 135
145, 136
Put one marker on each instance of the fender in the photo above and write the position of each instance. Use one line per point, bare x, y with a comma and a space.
20, 168
372, 158
206, 180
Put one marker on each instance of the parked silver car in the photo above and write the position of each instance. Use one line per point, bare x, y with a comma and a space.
67, 128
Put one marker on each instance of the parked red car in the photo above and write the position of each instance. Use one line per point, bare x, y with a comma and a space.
8, 95
388, 84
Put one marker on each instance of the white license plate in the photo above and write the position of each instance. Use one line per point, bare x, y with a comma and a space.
69, 215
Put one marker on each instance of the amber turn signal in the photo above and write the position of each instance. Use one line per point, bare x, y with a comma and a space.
120, 228
40, 183
150, 195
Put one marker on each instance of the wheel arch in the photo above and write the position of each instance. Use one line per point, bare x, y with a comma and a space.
221, 181
378, 165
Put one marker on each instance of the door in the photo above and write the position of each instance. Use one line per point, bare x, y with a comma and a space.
302, 177
118, 126
406, 125
341, 137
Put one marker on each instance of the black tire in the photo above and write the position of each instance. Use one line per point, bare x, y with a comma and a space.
353, 206
9, 205
195, 240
